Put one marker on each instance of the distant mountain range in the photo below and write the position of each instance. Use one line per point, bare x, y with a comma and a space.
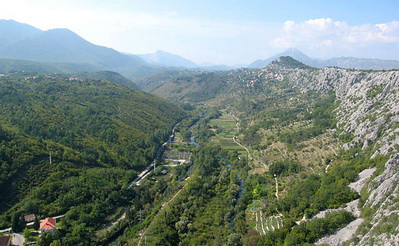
343, 62
24, 42
26, 48
163, 58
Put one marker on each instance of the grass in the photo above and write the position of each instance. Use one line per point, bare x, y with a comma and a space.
226, 129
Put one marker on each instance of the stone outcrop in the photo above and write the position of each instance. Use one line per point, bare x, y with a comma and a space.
368, 102
368, 109
384, 200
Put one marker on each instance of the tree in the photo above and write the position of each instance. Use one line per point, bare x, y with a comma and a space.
36, 223
26, 233
276, 169
17, 222
234, 240
56, 243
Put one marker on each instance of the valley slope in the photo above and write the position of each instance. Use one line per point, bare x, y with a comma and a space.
297, 121
64, 141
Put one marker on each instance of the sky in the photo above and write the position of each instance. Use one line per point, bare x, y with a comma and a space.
223, 31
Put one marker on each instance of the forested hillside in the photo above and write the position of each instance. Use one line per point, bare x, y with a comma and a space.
70, 143
298, 137
284, 155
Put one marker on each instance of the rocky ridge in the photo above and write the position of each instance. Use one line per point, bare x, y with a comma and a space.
368, 109
384, 200
368, 102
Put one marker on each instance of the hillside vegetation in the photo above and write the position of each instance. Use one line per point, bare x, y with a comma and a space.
303, 135
63, 142
271, 157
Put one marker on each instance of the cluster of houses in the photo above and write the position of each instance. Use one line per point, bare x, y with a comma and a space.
50, 77
47, 225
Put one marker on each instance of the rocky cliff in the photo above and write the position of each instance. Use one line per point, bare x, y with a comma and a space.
368, 102
368, 109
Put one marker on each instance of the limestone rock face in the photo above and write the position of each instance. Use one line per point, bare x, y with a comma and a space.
368, 109
368, 102
384, 194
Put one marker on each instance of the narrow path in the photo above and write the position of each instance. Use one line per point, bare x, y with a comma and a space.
326, 170
234, 138
246, 149
276, 187
167, 203
163, 206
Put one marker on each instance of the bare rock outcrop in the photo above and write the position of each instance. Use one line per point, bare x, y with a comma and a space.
384, 200
368, 109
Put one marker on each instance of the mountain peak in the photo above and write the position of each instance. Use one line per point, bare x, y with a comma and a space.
292, 52
287, 62
164, 58
24, 42
12, 31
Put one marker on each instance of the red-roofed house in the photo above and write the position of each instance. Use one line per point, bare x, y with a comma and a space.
48, 225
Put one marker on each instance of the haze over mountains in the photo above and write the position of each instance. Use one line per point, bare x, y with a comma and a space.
343, 62
24, 42
163, 58
61, 50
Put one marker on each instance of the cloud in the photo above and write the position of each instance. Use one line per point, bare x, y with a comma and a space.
327, 33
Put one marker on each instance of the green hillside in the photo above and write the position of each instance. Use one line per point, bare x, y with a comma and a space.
109, 76
99, 136
278, 150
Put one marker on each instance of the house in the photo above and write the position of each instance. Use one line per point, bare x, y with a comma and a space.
5, 241
48, 225
29, 218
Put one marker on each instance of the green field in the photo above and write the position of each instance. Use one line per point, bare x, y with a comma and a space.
225, 129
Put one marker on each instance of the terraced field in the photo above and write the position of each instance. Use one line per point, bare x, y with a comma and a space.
225, 128
260, 222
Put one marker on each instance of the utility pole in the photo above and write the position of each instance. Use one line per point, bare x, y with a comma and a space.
50, 157
141, 224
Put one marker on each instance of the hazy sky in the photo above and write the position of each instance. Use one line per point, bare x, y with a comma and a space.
223, 31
